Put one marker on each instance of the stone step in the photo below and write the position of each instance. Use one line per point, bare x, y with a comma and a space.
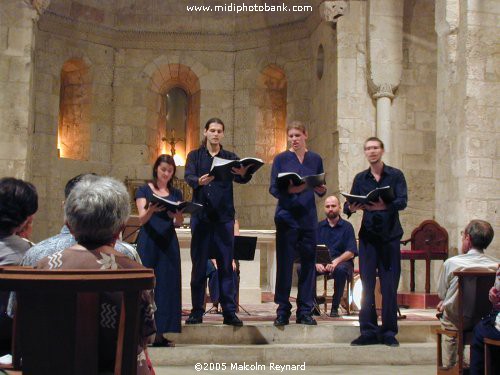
294, 354
261, 333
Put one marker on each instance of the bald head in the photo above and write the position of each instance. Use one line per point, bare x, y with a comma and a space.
332, 207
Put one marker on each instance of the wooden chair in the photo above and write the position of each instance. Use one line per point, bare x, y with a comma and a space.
56, 324
346, 304
429, 241
474, 283
488, 366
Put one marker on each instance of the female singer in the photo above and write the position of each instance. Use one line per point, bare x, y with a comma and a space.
296, 222
212, 228
158, 246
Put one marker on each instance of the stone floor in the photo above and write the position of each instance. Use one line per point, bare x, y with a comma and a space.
320, 370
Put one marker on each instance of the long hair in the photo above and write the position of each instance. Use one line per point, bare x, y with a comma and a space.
163, 158
215, 120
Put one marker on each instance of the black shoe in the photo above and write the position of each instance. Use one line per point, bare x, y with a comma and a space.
232, 320
365, 340
390, 341
194, 319
307, 320
281, 320
316, 311
163, 344
334, 313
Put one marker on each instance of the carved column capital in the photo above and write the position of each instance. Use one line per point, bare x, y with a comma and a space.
331, 11
384, 90
39, 5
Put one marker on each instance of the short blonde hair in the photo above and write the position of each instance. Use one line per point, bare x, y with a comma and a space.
296, 125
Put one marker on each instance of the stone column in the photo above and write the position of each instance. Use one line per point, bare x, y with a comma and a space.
383, 97
17, 27
467, 128
385, 60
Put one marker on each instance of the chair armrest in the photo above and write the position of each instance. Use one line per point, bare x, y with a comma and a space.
405, 242
493, 342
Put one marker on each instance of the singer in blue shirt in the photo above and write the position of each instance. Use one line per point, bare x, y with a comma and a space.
212, 228
379, 252
296, 222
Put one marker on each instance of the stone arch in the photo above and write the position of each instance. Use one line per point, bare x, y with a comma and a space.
164, 76
270, 136
73, 136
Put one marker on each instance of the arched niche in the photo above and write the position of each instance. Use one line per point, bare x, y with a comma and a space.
73, 136
270, 137
164, 79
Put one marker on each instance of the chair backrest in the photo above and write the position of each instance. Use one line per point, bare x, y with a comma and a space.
473, 301
56, 324
431, 237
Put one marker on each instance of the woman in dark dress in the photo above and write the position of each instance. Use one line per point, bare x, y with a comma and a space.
158, 246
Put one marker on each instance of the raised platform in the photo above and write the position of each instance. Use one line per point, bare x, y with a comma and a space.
416, 300
328, 343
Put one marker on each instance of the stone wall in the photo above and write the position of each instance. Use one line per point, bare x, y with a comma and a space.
323, 131
50, 173
355, 108
467, 121
255, 206
414, 109
414, 124
16, 96
444, 114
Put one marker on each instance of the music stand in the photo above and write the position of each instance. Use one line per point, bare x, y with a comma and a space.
244, 249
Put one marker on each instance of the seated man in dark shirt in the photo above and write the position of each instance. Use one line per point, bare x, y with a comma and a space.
338, 236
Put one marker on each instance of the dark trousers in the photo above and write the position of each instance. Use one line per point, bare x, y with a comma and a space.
289, 243
212, 240
485, 328
371, 265
340, 275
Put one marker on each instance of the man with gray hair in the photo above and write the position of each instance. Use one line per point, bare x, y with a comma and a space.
96, 212
476, 237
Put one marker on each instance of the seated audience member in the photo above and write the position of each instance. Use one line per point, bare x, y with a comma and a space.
18, 204
96, 211
338, 236
65, 239
476, 237
489, 327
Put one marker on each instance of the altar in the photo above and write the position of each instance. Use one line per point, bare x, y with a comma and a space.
256, 276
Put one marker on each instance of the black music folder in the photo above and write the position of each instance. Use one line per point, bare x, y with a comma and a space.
323, 255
